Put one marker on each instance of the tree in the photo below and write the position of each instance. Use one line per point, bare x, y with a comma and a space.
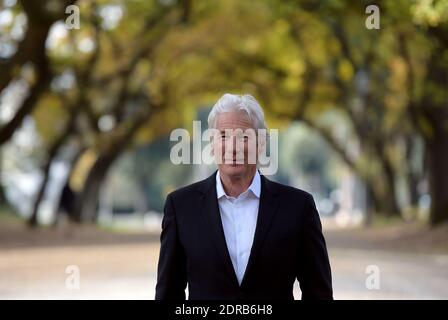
40, 17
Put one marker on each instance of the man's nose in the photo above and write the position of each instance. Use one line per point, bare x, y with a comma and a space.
237, 145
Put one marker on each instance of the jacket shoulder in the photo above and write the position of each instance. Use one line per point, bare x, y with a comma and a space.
188, 191
288, 191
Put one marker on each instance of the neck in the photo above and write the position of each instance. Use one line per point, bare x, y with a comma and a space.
236, 185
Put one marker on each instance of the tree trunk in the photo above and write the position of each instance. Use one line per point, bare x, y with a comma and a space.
3, 200
43, 80
33, 220
373, 205
438, 178
87, 201
413, 176
53, 151
435, 109
389, 201
62, 204
391, 207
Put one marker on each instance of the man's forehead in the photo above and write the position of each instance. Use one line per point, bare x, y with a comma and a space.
233, 120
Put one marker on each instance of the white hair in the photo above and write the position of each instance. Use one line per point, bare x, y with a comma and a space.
232, 102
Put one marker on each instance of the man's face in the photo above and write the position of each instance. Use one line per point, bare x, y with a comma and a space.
235, 144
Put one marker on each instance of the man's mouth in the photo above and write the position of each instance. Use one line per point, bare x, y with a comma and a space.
233, 161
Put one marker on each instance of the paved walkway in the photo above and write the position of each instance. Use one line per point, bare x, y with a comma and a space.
128, 271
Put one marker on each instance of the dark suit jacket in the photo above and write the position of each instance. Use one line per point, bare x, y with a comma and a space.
288, 244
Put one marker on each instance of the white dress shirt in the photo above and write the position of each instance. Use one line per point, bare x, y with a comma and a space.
239, 219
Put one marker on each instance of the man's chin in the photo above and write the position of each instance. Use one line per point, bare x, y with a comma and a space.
233, 169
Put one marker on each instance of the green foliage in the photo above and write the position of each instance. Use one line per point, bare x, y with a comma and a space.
304, 61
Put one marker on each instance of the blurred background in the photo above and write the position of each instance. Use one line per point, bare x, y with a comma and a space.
90, 91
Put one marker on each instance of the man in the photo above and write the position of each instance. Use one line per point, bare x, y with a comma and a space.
236, 234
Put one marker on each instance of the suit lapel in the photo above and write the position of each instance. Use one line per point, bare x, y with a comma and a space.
267, 208
210, 211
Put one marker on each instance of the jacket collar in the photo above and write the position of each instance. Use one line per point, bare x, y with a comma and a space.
255, 186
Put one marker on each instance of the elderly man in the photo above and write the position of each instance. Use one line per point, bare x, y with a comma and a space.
236, 234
